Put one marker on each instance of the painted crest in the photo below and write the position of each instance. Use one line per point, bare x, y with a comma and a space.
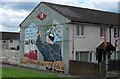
41, 16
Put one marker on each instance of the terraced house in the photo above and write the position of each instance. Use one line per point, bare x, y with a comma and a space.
10, 40
63, 33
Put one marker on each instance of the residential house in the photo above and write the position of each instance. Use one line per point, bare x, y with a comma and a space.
78, 32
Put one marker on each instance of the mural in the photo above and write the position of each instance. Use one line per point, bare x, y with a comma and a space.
30, 48
50, 50
50, 47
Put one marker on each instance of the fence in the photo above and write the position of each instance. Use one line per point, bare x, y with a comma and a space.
114, 66
83, 68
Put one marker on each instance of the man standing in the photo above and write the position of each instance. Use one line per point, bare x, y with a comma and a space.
50, 50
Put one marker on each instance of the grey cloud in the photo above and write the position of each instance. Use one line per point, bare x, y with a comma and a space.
119, 7
10, 28
11, 24
28, 6
107, 6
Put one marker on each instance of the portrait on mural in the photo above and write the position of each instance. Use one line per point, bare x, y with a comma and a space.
50, 50
44, 44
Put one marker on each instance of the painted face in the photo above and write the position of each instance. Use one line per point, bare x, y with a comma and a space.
51, 37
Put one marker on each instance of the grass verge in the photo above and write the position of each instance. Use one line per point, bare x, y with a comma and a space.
18, 72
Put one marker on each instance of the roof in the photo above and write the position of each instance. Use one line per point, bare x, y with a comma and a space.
77, 14
84, 15
9, 35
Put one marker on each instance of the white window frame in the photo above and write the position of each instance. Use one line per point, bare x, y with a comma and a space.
80, 31
78, 53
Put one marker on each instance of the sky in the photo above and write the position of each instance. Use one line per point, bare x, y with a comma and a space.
13, 12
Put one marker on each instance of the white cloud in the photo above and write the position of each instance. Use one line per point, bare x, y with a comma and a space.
21, 1
88, 4
1, 27
60, 0
10, 19
105, 5
104, 1
66, 2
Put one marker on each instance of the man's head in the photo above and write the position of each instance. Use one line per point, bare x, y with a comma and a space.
51, 37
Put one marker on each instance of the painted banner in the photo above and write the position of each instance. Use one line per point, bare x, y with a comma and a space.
30, 48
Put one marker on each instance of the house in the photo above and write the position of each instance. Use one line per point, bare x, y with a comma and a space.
10, 40
74, 33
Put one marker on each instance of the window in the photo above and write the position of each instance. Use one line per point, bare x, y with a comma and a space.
11, 41
90, 57
77, 55
118, 54
117, 31
4, 41
113, 55
102, 30
79, 30
82, 56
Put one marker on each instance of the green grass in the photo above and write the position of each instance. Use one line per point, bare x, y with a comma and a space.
20, 72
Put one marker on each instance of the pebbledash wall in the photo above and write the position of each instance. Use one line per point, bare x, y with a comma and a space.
72, 46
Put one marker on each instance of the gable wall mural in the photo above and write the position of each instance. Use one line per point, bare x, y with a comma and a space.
45, 40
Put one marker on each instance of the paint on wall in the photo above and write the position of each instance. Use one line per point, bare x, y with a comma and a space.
51, 49
29, 42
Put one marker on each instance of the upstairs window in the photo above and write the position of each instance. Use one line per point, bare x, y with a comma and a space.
11, 41
117, 31
79, 31
102, 31
4, 41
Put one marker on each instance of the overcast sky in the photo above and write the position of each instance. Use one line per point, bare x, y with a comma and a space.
13, 12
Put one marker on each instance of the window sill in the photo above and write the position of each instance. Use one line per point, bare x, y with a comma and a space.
101, 37
80, 36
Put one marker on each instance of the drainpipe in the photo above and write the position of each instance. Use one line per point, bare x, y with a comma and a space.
73, 44
110, 34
